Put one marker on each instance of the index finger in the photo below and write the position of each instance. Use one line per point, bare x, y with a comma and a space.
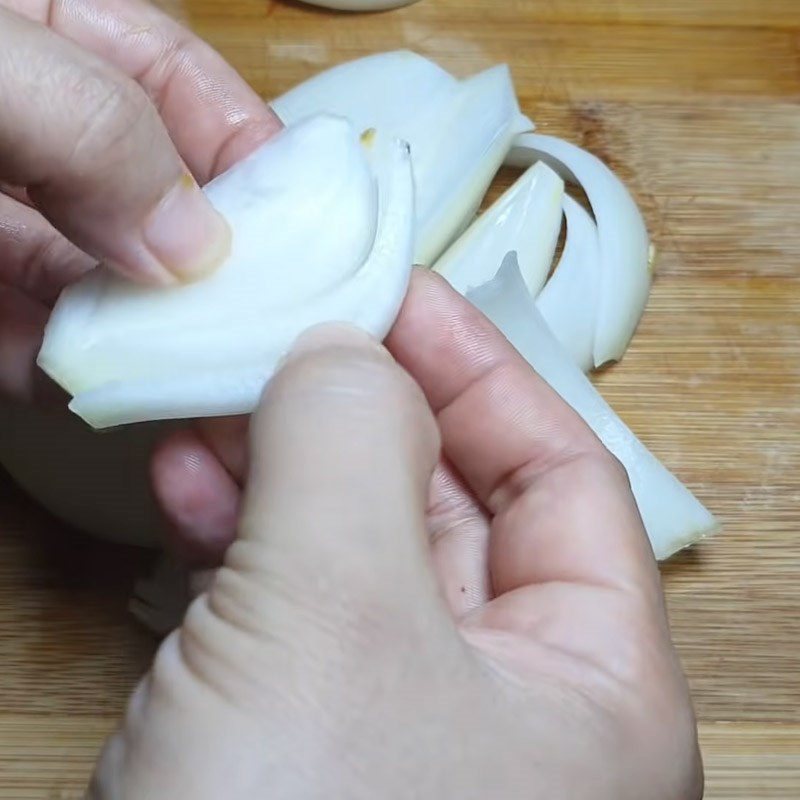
213, 116
563, 510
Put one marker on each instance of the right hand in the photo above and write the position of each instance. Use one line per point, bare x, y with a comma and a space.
396, 622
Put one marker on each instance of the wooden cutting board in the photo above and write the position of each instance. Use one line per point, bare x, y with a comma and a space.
696, 104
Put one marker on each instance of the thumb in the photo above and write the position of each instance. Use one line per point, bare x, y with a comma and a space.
330, 567
97, 161
343, 448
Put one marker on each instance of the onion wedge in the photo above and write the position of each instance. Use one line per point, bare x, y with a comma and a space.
459, 131
568, 302
625, 272
673, 517
527, 218
128, 353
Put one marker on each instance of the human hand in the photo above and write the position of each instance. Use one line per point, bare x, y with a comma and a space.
112, 114
398, 621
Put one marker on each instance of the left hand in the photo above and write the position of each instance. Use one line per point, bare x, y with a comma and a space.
112, 114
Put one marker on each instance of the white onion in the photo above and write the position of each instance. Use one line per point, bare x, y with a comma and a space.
318, 235
568, 302
527, 218
624, 245
459, 131
672, 516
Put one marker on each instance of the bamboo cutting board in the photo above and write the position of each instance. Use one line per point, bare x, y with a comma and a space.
696, 104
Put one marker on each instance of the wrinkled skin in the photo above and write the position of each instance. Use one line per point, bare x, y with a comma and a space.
435, 592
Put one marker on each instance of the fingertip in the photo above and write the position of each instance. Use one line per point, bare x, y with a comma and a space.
226, 437
340, 416
198, 497
186, 236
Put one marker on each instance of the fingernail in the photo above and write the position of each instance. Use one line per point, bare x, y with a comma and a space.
185, 234
332, 335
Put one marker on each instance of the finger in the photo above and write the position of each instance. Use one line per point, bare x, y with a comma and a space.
36, 259
214, 117
459, 533
198, 498
197, 476
227, 438
563, 504
342, 452
97, 161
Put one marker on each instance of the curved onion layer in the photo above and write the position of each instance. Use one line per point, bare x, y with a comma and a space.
459, 131
568, 302
624, 245
128, 353
527, 217
673, 517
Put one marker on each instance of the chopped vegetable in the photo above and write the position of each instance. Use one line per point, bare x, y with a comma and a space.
326, 222
624, 246
672, 516
318, 235
459, 131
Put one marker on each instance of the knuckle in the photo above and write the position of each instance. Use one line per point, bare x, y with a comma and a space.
114, 113
600, 464
615, 468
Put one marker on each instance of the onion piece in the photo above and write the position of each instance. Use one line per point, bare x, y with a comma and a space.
527, 218
624, 246
673, 517
459, 131
568, 303
130, 353
384, 90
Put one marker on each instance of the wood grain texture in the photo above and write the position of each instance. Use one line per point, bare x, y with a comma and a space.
696, 103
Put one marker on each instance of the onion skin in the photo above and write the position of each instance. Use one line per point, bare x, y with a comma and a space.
526, 219
568, 302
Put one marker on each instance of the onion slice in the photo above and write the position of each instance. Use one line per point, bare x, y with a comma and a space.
624, 246
673, 517
527, 218
384, 90
568, 303
129, 353
459, 131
